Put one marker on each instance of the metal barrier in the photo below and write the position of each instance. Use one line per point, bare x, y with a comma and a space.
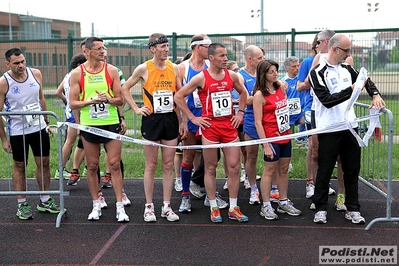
60, 190
376, 158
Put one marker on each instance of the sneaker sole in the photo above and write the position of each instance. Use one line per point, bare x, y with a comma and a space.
319, 221
289, 213
73, 184
340, 209
239, 220
47, 210
268, 218
184, 210
355, 222
24, 218
254, 202
217, 220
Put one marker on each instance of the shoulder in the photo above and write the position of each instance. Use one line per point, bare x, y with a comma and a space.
36, 72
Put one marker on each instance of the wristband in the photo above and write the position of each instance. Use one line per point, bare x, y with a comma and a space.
241, 111
122, 117
108, 100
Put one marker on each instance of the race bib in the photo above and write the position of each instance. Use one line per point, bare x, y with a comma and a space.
163, 101
98, 110
283, 119
294, 105
221, 103
32, 120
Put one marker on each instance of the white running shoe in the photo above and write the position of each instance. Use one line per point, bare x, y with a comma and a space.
331, 191
121, 215
254, 197
355, 217
95, 213
178, 185
103, 203
243, 176
247, 185
226, 186
196, 191
149, 215
309, 190
125, 200
222, 204
169, 214
185, 205
320, 217
268, 212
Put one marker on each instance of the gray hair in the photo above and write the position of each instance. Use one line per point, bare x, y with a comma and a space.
289, 60
326, 34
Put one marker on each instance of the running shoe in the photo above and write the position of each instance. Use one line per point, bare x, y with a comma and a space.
247, 185
103, 203
73, 179
243, 176
254, 197
178, 185
288, 209
309, 190
121, 215
222, 204
320, 217
65, 174
24, 211
274, 196
48, 206
95, 213
169, 214
106, 181
196, 191
268, 212
340, 203
149, 214
125, 200
235, 214
355, 217
215, 215
226, 185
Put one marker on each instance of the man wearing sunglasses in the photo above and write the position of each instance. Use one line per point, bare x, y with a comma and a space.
333, 82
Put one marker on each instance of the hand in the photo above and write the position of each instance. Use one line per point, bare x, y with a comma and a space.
102, 97
145, 110
201, 121
377, 102
123, 127
268, 151
7, 146
49, 131
237, 119
183, 130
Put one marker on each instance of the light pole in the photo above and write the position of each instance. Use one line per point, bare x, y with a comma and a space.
372, 8
259, 13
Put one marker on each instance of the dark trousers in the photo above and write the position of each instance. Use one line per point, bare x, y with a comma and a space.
331, 145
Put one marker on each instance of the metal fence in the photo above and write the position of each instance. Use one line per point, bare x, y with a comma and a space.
60, 191
376, 158
376, 50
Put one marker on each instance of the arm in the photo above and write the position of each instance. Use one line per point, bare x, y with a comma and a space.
38, 76
59, 92
3, 137
242, 100
139, 73
323, 93
117, 99
196, 82
259, 101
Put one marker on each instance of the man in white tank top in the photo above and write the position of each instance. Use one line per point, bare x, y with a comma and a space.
21, 90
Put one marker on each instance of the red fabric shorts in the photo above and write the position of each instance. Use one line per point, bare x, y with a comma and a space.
220, 132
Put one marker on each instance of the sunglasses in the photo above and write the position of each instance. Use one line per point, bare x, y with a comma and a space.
344, 50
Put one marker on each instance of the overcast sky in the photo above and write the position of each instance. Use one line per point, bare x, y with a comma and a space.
142, 18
